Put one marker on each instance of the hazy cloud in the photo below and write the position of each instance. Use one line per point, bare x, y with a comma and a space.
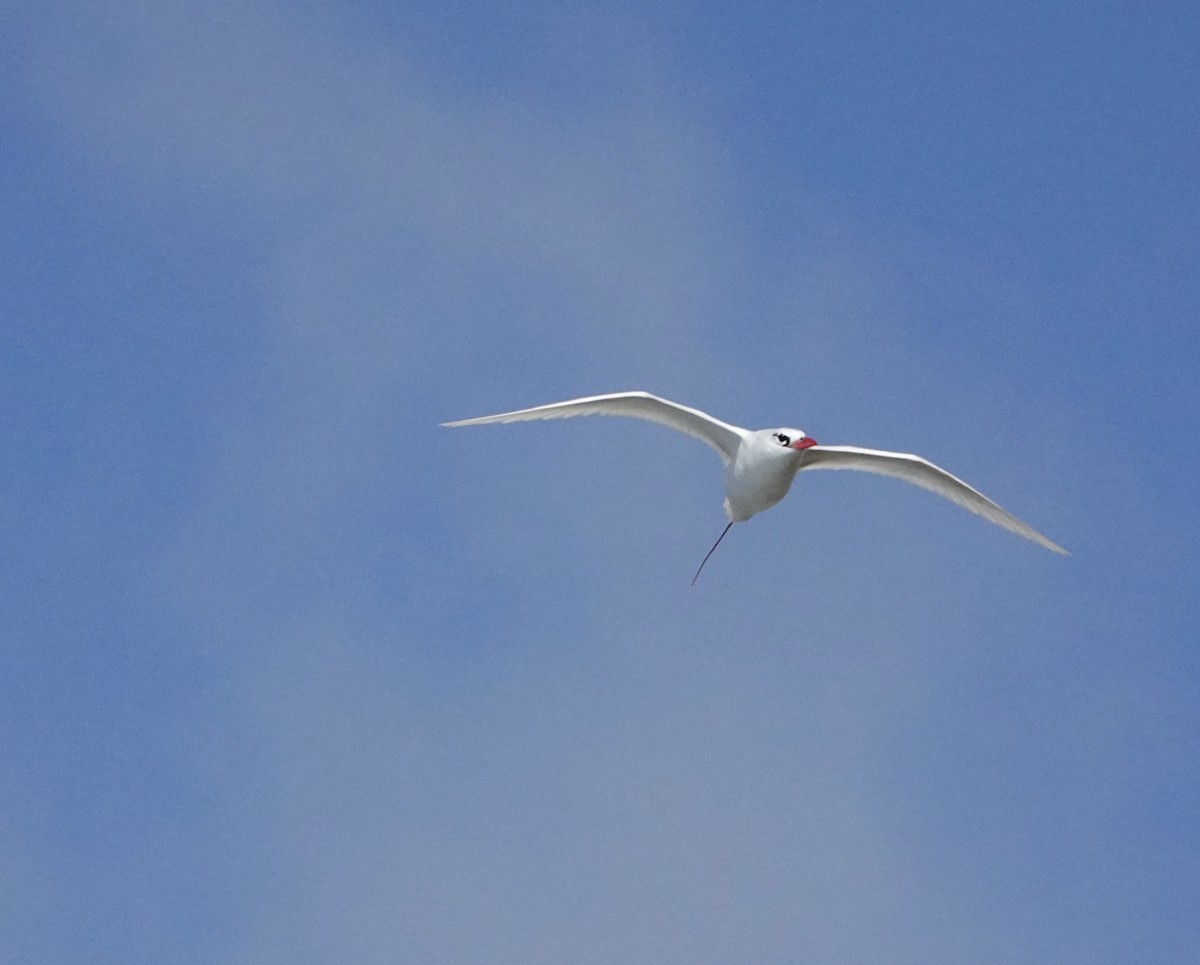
461, 703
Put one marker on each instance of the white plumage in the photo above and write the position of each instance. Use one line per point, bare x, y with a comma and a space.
761, 464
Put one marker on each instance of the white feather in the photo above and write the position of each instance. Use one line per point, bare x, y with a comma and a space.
760, 465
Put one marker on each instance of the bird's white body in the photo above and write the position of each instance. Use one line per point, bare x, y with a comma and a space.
760, 465
759, 475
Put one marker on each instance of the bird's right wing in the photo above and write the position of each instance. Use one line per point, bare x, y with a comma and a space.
923, 473
725, 439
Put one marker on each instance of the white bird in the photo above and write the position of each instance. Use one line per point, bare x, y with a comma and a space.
761, 464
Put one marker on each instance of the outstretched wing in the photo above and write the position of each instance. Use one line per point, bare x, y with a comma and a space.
725, 439
923, 473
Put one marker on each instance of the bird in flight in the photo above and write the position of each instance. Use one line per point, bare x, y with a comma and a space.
760, 464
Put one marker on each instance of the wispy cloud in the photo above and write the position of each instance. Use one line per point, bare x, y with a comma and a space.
464, 707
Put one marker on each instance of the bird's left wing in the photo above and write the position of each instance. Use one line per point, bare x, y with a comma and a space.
724, 438
923, 473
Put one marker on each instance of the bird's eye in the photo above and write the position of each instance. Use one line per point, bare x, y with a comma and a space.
783, 440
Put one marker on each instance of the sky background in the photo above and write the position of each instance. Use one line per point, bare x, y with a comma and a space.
289, 674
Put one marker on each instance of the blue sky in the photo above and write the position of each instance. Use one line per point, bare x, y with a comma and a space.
289, 674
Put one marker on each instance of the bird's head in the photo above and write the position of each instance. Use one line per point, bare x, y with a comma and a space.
793, 439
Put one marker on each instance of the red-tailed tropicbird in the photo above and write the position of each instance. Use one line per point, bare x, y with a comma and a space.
761, 464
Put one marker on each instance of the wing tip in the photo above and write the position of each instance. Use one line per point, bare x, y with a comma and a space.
1045, 542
